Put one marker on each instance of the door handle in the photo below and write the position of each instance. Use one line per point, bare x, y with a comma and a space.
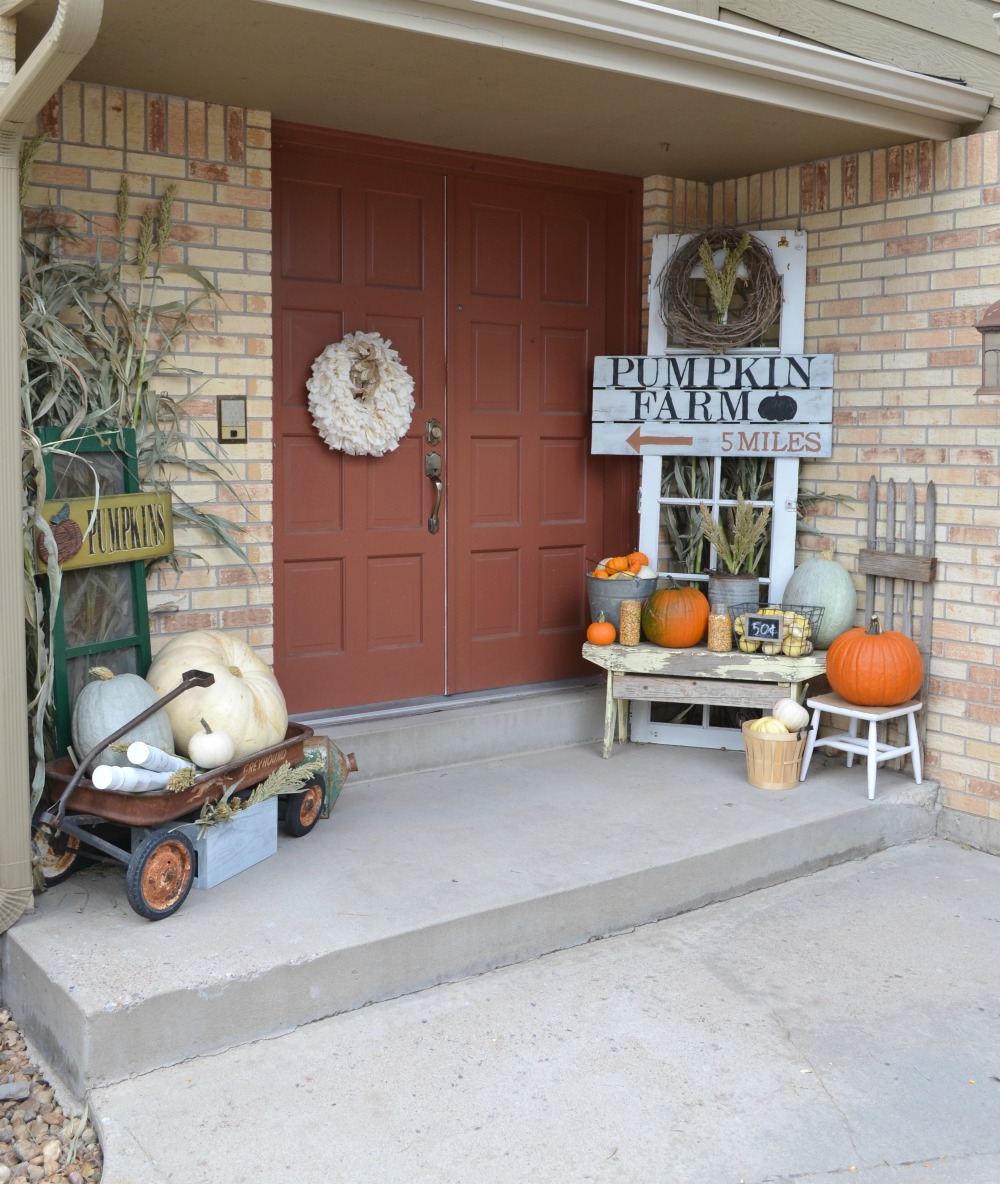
432, 469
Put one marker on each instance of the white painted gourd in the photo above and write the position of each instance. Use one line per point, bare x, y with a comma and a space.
823, 582
210, 749
793, 715
244, 701
107, 702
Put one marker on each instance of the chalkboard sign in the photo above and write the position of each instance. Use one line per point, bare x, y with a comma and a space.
764, 627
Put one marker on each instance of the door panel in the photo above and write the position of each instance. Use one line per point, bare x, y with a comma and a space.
359, 580
526, 315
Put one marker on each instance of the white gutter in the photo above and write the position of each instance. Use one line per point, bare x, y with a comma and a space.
73, 31
642, 39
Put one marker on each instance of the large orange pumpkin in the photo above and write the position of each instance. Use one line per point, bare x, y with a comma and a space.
676, 618
874, 669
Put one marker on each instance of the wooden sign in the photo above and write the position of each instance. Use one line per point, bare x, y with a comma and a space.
119, 528
713, 405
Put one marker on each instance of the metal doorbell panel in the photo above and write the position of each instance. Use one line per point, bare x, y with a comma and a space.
232, 412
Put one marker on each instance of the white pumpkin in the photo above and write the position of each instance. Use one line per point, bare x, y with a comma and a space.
106, 704
793, 715
244, 701
209, 749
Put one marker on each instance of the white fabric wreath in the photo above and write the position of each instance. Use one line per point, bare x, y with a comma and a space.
361, 395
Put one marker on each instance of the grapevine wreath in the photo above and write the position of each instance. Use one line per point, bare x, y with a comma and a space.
361, 395
759, 281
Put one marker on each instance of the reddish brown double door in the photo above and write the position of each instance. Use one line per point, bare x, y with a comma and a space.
497, 283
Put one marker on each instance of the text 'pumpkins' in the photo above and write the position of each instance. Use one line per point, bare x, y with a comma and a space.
244, 701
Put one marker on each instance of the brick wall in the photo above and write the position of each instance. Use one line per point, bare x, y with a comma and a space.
903, 261
219, 159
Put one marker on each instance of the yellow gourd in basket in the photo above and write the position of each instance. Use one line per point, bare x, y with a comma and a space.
769, 726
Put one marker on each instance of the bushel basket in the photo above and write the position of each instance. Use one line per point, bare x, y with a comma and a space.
774, 761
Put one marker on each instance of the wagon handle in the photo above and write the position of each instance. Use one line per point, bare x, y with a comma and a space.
189, 679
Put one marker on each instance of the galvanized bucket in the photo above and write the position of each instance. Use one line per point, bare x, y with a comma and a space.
606, 596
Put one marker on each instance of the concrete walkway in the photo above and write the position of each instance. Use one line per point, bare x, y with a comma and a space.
843, 1026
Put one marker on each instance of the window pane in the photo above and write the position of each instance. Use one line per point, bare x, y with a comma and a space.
98, 605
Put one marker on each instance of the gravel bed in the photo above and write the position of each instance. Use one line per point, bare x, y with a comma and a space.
41, 1140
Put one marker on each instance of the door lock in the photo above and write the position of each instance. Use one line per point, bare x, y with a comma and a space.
433, 432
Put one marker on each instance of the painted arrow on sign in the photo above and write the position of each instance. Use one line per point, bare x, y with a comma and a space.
637, 439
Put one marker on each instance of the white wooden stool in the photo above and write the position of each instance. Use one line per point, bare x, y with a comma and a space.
870, 746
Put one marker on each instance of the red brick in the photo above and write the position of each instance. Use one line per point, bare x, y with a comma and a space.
925, 167
183, 622
953, 357
156, 125
954, 316
242, 575
918, 244
894, 174
822, 185
51, 117
909, 169
241, 618
850, 180
205, 171
234, 134
953, 239
986, 715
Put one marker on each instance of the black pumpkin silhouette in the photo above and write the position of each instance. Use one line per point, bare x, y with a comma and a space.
778, 407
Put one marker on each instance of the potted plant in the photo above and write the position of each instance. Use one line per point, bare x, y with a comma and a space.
738, 538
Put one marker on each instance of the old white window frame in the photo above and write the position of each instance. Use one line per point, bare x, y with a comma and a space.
788, 248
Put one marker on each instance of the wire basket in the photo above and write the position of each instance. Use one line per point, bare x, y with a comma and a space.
774, 761
799, 626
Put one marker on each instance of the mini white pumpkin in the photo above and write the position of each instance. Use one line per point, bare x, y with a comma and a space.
244, 701
106, 704
793, 715
210, 749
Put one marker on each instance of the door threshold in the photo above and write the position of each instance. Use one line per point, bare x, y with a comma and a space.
433, 703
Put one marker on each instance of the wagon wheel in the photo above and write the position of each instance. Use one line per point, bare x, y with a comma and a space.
57, 857
160, 874
302, 810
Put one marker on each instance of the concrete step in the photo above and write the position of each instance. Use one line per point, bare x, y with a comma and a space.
401, 739
423, 877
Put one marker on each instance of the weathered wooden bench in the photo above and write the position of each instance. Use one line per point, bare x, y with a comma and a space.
696, 676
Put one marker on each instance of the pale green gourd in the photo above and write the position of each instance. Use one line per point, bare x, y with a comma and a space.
822, 581
109, 702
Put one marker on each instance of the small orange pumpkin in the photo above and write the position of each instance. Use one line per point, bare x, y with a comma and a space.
676, 618
617, 563
873, 668
636, 560
600, 632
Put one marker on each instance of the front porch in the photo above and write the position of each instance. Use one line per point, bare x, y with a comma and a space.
533, 844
